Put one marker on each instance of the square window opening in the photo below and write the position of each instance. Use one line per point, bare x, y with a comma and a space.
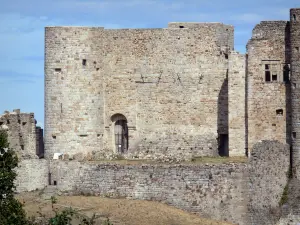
297, 49
279, 112
267, 66
274, 77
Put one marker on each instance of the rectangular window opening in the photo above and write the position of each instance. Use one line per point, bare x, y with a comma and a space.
294, 135
22, 147
274, 77
297, 49
181, 26
267, 76
84, 62
8, 122
267, 66
54, 183
57, 69
294, 17
53, 136
19, 121
1, 123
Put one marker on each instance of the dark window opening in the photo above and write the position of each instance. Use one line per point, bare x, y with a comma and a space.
22, 147
8, 122
19, 121
274, 77
279, 112
223, 145
226, 56
297, 49
267, 66
54, 183
267, 76
286, 73
294, 17
294, 135
97, 69
84, 62
24, 123
95, 62
61, 108
57, 69
1, 123
181, 26
83, 135
274, 125
53, 136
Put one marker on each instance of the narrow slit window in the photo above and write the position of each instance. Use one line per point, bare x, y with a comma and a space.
297, 49
84, 62
294, 135
286, 73
294, 17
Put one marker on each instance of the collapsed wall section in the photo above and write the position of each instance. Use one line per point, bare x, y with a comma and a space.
22, 134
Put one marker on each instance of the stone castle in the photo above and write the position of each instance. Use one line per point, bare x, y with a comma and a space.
176, 93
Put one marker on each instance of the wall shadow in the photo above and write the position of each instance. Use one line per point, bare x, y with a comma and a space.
223, 142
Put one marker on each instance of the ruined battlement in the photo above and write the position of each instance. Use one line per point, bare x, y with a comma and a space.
23, 134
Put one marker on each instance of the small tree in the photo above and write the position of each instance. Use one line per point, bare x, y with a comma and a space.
11, 211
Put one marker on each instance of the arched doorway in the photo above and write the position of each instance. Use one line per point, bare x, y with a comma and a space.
120, 133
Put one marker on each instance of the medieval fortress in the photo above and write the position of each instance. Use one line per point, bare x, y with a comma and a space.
168, 95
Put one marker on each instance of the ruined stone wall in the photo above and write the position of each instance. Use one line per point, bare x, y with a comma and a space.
169, 83
237, 104
268, 175
21, 130
268, 101
212, 191
32, 175
295, 87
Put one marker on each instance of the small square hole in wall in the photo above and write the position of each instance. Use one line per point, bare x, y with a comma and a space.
294, 135
57, 69
1, 123
274, 77
24, 123
53, 136
84, 62
279, 112
181, 26
7, 121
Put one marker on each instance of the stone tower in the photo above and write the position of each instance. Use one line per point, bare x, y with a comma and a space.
295, 90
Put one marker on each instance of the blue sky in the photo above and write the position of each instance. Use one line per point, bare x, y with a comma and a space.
22, 32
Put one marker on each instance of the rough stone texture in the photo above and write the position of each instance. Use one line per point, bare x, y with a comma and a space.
240, 193
268, 45
169, 83
22, 133
268, 169
32, 175
213, 191
295, 87
237, 97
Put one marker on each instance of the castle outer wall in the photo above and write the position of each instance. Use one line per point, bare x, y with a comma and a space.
170, 85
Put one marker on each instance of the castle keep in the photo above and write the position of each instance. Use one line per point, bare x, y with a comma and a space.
177, 92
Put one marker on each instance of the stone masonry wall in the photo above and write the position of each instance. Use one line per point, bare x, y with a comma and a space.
268, 169
268, 101
164, 81
237, 104
213, 191
21, 130
32, 175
